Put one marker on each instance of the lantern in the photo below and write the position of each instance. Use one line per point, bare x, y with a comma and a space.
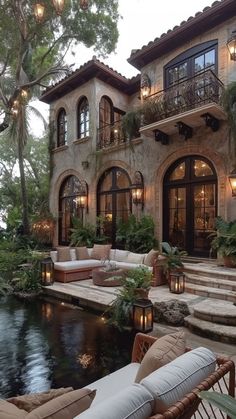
231, 45
177, 282
47, 270
143, 315
81, 201
39, 10
58, 6
232, 180
84, 4
137, 189
145, 86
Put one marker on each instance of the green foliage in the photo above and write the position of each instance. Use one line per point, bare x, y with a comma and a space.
28, 277
131, 123
229, 104
224, 239
139, 277
5, 287
84, 234
137, 235
224, 402
172, 257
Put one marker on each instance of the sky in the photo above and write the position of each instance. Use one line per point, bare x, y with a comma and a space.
142, 21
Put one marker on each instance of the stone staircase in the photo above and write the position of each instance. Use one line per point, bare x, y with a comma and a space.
215, 316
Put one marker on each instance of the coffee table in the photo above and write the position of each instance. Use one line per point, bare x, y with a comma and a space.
105, 278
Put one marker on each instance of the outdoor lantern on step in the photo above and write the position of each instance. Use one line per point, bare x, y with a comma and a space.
143, 315
47, 271
177, 282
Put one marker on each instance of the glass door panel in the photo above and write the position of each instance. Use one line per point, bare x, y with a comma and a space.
177, 217
204, 215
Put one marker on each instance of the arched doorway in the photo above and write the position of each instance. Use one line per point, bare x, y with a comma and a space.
190, 204
70, 190
114, 200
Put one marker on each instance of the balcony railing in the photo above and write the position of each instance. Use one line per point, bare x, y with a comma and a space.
193, 93
112, 135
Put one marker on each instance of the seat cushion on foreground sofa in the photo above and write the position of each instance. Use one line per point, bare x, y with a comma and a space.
65, 406
133, 402
173, 381
164, 350
77, 264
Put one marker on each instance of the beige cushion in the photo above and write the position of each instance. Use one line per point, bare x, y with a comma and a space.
101, 251
82, 253
150, 257
66, 406
164, 350
63, 254
135, 257
10, 411
121, 255
29, 402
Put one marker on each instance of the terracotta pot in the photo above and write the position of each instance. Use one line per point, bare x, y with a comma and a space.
229, 261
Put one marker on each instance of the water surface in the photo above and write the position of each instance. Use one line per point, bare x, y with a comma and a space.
44, 344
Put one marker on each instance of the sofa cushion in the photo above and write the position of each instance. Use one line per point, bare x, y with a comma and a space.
114, 382
133, 402
150, 257
10, 411
53, 255
129, 265
77, 264
170, 383
82, 253
63, 254
29, 402
135, 257
162, 351
66, 406
101, 251
120, 255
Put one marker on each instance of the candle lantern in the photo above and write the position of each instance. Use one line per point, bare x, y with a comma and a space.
177, 282
143, 315
47, 270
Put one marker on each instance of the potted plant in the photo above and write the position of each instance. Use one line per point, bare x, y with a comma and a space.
224, 241
172, 261
138, 280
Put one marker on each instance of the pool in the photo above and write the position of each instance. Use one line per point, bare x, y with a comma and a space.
47, 344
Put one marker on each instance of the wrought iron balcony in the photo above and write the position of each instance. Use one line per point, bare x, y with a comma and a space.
112, 135
202, 89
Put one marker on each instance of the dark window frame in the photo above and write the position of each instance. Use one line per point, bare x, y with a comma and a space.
83, 125
61, 128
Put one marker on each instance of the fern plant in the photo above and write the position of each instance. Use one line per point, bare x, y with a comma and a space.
224, 238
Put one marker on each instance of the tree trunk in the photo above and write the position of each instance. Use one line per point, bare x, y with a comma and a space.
24, 196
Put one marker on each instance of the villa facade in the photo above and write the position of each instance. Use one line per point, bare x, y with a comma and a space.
175, 166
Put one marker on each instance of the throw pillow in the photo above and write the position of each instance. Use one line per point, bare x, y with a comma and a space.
101, 251
82, 253
63, 254
150, 257
29, 402
66, 406
164, 350
9, 411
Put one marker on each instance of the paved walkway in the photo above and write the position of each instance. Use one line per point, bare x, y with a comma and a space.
97, 297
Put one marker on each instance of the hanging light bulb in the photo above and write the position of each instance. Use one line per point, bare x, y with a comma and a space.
58, 6
84, 4
39, 10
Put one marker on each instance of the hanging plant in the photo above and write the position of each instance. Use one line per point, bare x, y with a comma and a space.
229, 105
131, 123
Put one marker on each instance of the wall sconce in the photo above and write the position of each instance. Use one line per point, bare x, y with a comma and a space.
145, 86
232, 181
81, 199
85, 164
177, 282
47, 271
231, 45
143, 315
137, 189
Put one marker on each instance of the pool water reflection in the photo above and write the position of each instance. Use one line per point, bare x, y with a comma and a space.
45, 344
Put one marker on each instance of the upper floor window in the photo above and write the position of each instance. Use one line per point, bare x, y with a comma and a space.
61, 128
191, 62
106, 116
83, 118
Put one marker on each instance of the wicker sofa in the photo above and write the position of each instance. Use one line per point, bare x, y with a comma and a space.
75, 269
177, 397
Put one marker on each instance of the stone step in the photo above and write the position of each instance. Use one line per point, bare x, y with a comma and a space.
222, 312
211, 270
211, 292
226, 334
210, 282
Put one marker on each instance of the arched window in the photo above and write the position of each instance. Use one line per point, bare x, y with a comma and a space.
83, 118
114, 199
68, 208
61, 128
190, 204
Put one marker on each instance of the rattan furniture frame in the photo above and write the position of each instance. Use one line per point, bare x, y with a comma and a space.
222, 380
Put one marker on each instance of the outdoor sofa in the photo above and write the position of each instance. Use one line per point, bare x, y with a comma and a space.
74, 264
162, 381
